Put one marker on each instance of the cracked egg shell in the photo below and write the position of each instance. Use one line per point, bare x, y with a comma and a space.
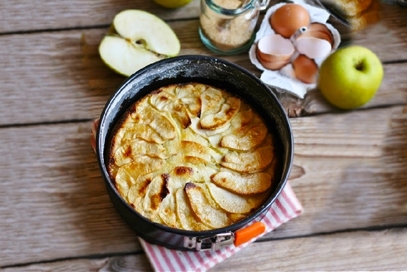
274, 51
320, 31
312, 47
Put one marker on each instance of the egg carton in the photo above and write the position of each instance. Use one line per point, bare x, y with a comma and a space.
284, 79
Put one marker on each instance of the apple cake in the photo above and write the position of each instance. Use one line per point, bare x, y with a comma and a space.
194, 157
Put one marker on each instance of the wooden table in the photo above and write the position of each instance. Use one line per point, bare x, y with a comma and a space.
350, 168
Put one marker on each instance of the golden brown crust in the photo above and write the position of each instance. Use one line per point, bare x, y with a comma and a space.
193, 157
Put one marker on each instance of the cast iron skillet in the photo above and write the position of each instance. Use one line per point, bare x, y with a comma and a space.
207, 70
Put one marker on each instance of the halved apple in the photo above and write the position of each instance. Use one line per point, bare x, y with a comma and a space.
137, 39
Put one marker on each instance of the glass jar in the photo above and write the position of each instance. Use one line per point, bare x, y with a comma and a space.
227, 26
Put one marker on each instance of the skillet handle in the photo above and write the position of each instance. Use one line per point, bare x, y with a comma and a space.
246, 234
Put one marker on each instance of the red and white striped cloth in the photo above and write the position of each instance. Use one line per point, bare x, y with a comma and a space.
285, 208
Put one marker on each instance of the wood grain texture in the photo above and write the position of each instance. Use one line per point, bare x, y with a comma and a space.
356, 251
349, 168
349, 173
386, 35
59, 76
130, 262
38, 15
349, 251
53, 202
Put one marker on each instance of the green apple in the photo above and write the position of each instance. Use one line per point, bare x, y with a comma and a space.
350, 77
172, 3
137, 38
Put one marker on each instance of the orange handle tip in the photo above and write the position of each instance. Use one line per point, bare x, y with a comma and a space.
245, 235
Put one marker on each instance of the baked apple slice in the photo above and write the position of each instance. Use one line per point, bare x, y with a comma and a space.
248, 162
234, 203
185, 214
243, 184
201, 204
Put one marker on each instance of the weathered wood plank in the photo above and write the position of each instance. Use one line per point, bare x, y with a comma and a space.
387, 35
344, 251
361, 251
133, 262
26, 15
349, 168
52, 190
59, 76
61, 14
349, 173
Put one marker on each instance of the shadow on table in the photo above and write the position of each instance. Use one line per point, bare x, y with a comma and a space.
94, 226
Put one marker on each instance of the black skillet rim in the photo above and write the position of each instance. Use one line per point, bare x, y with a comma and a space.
100, 146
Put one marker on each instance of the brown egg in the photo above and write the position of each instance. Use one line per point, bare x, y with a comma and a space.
274, 51
288, 18
305, 69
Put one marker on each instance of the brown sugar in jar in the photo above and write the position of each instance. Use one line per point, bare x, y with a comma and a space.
227, 26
